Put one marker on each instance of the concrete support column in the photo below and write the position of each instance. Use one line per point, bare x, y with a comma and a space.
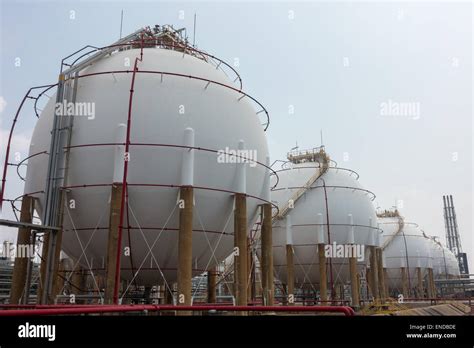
23, 244
249, 270
267, 256
373, 279
381, 275
403, 272
211, 285
290, 265
240, 257
112, 242
323, 281
431, 285
353, 265
354, 283
185, 251
419, 276
369, 281
290, 269
359, 284
267, 243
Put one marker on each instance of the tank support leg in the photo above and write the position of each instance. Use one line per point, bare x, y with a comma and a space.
290, 269
267, 256
403, 272
323, 282
373, 272
23, 243
211, 285
419, 276
430, 284
185, 250
381, 276
240, 256
354, 282
114, 223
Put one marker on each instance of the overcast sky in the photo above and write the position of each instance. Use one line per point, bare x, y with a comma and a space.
339, 67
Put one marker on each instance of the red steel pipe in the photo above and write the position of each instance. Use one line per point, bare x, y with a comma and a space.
125, 175
52, 310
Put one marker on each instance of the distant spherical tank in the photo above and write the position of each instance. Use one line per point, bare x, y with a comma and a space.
404, 245
451, 264
163, 107
454, 265
445, 264
349, 206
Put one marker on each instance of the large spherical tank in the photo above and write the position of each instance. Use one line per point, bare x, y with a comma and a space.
163, 107
323, 211
409, 248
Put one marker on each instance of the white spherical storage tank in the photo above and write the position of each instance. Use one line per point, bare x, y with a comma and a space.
190, 98
332, 209
404, 246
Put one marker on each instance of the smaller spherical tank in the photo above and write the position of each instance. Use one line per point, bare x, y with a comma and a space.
334, 209
404, 246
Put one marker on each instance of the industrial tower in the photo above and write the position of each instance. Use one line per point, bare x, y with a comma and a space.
452, 235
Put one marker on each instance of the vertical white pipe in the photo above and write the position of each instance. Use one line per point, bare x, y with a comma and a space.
187, 169
241, 185
320, 229
266, 181
289, 232
372, 241
350, 232
119, 155
378, 240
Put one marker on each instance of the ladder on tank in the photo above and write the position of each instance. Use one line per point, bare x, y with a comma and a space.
298, 194
401, 223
